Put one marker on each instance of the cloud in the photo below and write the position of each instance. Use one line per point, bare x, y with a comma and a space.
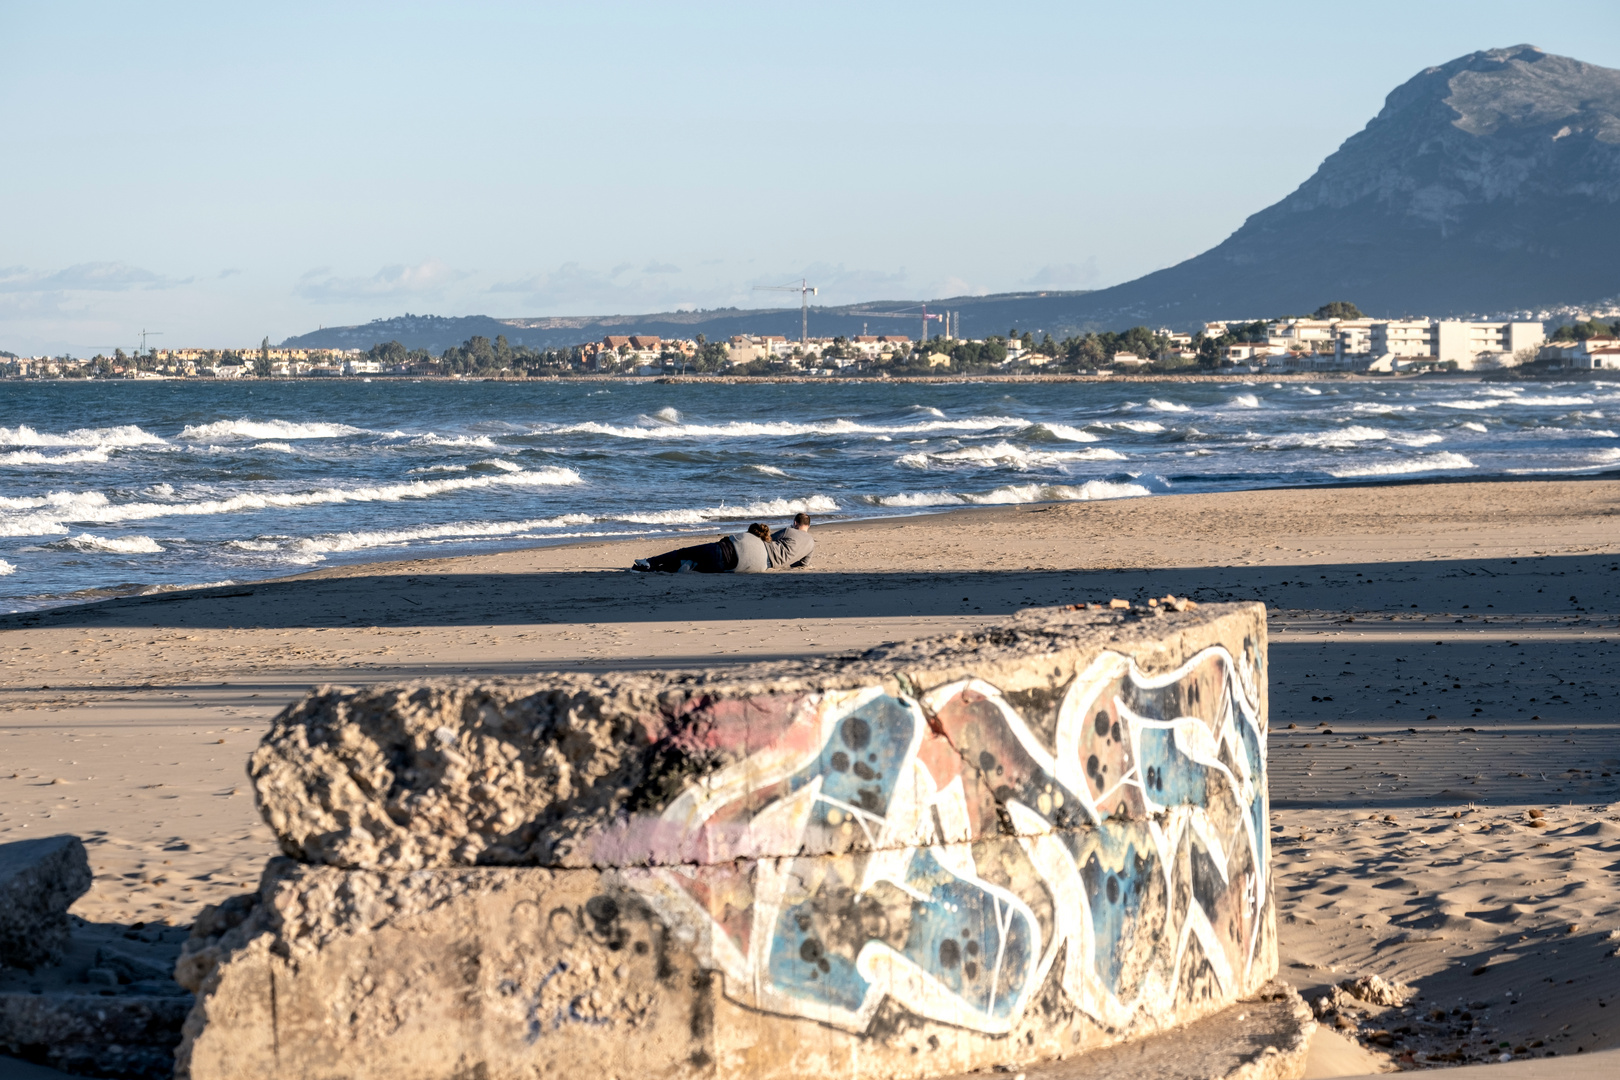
229, 271
656, 267
425, 280
85, 277
1083, 275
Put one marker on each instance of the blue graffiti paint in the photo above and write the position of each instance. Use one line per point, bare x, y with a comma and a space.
860, 765
980, 947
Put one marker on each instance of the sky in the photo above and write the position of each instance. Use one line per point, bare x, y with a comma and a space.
220, 173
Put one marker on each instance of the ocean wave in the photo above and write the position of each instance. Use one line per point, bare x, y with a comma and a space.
768, 508
1472, 403
436, 468
278, 447
1344, 437
1421, 463
1141, 427
1167, 406
768, 470
1380, 407
1474, 425
468, 531
118, 545
744, 429
100, 438
1005, 454
72, 457
52, 512
1247, 401
1605, 456
6, 568
483, 442
1551, 401
502, 464
266, 429
1427, 439
1014, 494
929, 409
1309, 390
1067, 433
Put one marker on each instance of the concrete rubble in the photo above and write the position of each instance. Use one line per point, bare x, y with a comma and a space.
1005, 847
101, 1000
39, 880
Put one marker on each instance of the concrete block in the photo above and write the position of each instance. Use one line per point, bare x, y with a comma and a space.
39, 881
129, 1037
990, 848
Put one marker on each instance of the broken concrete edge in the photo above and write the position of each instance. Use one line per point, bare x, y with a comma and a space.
39, 880
577, 770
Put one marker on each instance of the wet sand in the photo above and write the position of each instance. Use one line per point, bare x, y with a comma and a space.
1445, 661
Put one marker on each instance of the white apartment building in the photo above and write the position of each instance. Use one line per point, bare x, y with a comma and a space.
1471, 346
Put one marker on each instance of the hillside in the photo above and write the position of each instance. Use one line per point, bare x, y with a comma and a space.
1490, 184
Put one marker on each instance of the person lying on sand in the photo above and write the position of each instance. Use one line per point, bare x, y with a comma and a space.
791, 546
741, 553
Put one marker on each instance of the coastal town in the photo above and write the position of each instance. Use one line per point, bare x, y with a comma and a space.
1336, 339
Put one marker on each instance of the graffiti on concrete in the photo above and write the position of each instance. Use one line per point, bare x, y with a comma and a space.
956, 853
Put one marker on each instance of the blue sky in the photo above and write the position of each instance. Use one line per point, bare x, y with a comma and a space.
223, 172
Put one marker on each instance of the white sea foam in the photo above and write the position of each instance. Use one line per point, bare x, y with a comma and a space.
769, 508
1472, 403
1474, 425
1014, 494
930, 410
1069, 434
1343, 437
100, 438
1551, 401
464, 531
1247, 401
1167, 406
1005, 454
502, 464
743, 429
1142, 427
483, 442
266, 429
119, 545
6, 568
1606, 455
1380, 407
1428, 439
668, 415
71, 457
1420, 463
768, 470
1311, 390
279, 447
436, 468
52, 512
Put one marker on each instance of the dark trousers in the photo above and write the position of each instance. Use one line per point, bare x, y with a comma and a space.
715, 558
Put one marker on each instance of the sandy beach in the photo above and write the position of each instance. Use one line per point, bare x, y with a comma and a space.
1445, 750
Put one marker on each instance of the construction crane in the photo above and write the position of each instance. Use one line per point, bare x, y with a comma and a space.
805, 291
944, 319
156, 333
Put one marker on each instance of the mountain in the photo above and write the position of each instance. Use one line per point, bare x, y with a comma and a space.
1487, 185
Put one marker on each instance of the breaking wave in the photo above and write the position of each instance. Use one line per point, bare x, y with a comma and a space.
72, 457
266, 429
769, 508
101, 438
53, 512
1007, 455
1015, 494
745, 429
1421, 463
119, 545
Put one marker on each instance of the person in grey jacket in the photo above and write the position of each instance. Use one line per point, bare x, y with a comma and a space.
742, 553
791, 547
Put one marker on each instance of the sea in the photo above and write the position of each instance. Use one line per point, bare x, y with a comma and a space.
126, 487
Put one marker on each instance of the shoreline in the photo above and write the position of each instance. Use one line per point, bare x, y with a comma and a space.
829, 521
